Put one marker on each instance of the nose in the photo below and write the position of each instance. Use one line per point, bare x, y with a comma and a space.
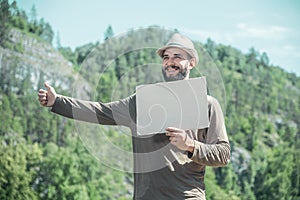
170, 62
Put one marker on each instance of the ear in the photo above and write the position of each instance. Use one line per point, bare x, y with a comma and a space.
192, 63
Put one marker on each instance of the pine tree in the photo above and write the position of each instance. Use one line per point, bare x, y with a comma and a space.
108, 33
5, 17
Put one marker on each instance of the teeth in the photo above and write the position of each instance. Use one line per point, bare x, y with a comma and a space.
173, 68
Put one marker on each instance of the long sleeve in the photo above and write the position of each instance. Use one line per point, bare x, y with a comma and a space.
113, 113
215, 150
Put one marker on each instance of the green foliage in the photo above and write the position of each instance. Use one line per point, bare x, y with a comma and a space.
19, 166
109, 33
19, 48
5, 17
214, 191
41, 156
71, 173
6, 116
282, 161
11, 16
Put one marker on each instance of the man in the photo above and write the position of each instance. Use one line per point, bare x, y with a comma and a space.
166, 166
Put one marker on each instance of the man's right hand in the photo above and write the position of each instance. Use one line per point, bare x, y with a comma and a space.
47, 97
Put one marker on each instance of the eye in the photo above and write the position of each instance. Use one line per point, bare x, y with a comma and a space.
165, 58
180, 57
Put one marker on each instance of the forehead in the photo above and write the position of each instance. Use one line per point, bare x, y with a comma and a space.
174, 51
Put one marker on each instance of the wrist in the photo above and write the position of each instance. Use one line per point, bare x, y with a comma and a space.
56, 98
191, 146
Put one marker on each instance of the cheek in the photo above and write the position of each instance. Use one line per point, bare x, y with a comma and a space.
164, 63
184, 63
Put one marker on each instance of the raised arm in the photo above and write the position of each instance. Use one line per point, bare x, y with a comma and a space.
113, 113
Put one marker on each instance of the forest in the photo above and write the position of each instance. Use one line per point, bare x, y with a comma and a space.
46, 156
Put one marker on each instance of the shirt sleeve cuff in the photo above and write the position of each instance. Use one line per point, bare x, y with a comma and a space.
58, 99
194, 155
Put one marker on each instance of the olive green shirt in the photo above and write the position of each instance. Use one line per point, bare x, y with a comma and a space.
161, 171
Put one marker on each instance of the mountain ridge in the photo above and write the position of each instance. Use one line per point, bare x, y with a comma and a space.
261, 113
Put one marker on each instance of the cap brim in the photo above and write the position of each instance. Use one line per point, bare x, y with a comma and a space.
161, 50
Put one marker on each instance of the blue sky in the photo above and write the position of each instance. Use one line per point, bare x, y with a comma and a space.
270, 26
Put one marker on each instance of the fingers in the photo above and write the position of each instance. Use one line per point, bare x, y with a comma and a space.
42, 94
171, 134
47, 97
177, 137
173, 141
44, 103
42, 97
180, 139
173, 129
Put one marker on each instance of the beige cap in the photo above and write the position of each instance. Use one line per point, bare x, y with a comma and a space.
182, 42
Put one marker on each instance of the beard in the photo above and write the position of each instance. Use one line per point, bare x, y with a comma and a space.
179, 76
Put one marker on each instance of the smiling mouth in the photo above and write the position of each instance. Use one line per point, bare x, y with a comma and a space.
174, 73
172, 68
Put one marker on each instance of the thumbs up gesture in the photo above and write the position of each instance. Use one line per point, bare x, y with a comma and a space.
47, 97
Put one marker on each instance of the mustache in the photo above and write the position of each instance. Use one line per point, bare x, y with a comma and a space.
173, 67
182, 73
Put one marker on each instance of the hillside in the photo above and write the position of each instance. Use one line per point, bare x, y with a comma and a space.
261, 103
45, 156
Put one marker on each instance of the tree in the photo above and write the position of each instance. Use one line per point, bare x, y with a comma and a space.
211, 48
18, 168
106, 85
6, 115
58, 44
264, 59
108, 33
5, 17
83, 51
33, 14
278, 175
46, 33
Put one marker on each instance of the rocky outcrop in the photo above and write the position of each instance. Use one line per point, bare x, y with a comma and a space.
35, 58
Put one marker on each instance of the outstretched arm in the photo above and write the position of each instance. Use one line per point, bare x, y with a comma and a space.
113, 113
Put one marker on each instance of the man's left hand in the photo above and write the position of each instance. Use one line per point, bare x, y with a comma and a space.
180, 139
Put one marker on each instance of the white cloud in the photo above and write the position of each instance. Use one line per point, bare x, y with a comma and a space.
264, 32
243, 15
273, 40
245, 35
285, 51
221, 37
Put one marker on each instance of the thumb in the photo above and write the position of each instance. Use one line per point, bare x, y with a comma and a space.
47, 86
50, 89
51, 94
